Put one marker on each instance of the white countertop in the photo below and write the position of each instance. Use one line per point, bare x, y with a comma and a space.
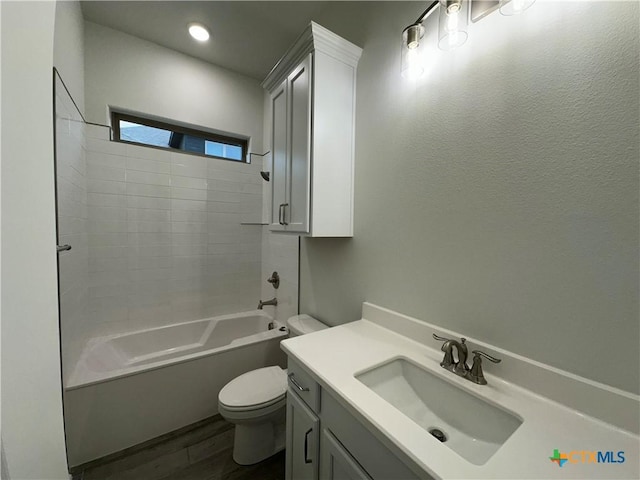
335, 355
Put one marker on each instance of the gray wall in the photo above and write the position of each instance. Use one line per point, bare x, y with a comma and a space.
498, 196
134, 74
68, 48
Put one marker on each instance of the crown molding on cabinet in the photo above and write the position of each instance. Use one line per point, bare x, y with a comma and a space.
314, 38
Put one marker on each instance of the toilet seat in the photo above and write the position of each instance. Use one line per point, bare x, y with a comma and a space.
244, 416
254, 390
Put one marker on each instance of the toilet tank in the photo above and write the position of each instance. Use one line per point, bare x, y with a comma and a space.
302, 324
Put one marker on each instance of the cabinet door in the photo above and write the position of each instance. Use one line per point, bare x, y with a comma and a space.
303, 437
337, 462
297, 210
278, 155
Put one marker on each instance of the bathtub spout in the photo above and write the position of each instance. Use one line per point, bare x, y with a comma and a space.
273, 301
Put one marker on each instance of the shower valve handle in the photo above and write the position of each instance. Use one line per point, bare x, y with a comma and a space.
274, 280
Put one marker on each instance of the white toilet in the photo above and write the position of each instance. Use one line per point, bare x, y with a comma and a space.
255, 401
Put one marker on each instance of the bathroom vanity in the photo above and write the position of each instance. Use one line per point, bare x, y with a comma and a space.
364, 399
329, 443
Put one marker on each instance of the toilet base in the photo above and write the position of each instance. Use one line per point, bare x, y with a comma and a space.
255, 442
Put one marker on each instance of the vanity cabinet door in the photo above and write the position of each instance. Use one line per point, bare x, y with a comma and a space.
337, 463
362, 447
303, 435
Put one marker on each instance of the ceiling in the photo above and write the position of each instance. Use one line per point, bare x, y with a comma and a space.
246, 37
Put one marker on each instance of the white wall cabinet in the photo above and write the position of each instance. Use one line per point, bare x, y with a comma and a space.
312, 100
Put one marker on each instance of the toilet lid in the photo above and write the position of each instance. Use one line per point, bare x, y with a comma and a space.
261, 386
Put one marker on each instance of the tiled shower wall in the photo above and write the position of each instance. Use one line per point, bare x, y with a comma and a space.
72, 223
158, 237
166, 242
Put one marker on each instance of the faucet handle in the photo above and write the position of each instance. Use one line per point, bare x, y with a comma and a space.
274, 280
442, 339
447, 361
476, 375
479, 353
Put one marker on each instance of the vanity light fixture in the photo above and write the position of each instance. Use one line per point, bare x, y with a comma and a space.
199, 32
453, 24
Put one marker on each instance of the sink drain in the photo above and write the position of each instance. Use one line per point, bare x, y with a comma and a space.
439, 434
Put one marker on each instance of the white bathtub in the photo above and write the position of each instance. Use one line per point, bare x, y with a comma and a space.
132, 387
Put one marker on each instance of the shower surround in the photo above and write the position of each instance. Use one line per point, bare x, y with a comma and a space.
166, 242
164, 238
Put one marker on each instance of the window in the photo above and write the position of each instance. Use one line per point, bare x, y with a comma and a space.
143, 131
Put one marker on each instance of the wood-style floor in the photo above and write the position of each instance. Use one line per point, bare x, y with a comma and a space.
202, 451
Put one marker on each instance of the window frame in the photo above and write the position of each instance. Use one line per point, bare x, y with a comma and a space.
117, 116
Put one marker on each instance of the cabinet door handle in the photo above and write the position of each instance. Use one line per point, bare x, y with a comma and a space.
280, 214
296, 384
306, 447
63, 248
284, 213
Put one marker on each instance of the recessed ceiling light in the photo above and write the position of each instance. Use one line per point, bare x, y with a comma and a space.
199, 32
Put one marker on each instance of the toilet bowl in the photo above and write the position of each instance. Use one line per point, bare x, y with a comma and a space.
255, 402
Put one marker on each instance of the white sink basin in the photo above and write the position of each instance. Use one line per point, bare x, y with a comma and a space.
474, 428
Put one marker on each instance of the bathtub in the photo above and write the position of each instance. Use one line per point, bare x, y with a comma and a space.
131, 387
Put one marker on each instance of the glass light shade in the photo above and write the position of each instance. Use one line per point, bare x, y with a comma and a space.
453, 23
413, 51
514, 7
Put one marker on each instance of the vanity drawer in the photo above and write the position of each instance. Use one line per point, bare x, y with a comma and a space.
303, 384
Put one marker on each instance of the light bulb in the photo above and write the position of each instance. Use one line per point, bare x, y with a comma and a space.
414, 66
412, 51
453, 20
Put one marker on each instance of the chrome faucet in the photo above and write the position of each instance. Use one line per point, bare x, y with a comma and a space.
460, 368
273, 301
